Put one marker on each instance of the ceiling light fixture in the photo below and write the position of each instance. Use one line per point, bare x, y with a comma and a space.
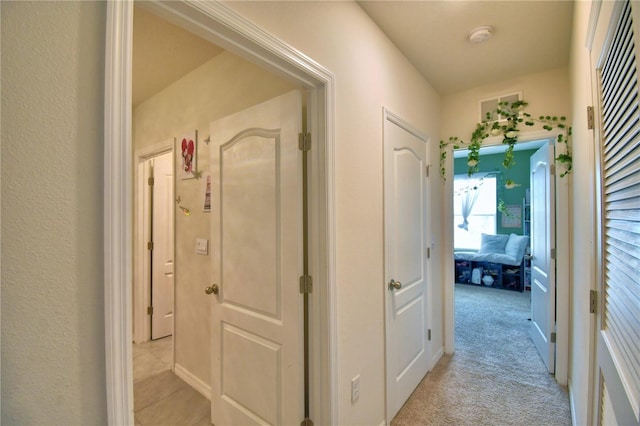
480, 34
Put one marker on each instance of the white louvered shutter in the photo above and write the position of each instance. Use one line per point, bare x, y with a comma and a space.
620, 199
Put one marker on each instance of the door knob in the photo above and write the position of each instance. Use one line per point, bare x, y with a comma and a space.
213, 289
395, 285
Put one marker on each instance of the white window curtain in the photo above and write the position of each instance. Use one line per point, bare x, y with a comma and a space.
467, 201
474, 209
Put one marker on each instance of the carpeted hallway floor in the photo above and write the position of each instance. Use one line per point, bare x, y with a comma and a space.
496, 377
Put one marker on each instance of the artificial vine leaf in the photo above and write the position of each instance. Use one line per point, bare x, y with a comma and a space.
513, 116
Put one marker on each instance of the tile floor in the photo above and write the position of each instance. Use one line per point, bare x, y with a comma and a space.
160, 397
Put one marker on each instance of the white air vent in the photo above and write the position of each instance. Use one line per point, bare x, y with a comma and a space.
488, 106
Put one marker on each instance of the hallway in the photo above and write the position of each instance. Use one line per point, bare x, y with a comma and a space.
161, 397
496, 376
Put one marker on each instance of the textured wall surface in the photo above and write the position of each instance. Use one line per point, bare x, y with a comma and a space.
52, 289
547, 93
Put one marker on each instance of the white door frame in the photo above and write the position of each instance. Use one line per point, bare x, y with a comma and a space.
222, 26
141, 256
563, 261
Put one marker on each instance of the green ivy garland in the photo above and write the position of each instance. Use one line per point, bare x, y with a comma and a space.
513, 115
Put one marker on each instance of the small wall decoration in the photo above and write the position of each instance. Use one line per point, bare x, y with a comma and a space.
188, 147
207, 193
512, 216
185, 210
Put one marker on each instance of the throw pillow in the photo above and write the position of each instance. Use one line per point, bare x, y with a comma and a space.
516, 246
493, 243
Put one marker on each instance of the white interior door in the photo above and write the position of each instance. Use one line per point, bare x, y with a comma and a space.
162, 265
257, 253
405, 221
543, 280
614, 60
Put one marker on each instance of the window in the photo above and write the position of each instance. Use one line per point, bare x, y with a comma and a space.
474, 209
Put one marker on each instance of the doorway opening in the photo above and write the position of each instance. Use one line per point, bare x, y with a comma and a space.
486, 213
153, 266
497, 203
217, 24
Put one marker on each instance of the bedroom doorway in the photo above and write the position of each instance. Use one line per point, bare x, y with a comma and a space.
492, 210
529, 141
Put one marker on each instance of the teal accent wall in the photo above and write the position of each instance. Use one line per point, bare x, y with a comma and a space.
519, 173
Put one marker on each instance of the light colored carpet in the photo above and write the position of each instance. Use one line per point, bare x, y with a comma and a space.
496, 376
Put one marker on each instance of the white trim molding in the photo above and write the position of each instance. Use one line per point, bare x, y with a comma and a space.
117, 213
222, 26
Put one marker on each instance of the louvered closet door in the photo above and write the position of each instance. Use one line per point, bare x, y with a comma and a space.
619, 237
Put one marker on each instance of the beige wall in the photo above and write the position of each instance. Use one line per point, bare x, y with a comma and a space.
222, 86
370, 74
583, 223
53, 351
547, 93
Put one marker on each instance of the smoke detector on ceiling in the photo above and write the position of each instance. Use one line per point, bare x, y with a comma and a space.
480, 34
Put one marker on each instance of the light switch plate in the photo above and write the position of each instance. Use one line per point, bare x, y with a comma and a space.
202, 246
355, 389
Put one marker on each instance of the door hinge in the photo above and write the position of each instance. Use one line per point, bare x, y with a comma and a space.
304, 141
427, 170
150, 181
553, 253
150, 245
429, 334
593, 301
428, 252
552, 170
150, 310
590, 118
306, 284
553, 337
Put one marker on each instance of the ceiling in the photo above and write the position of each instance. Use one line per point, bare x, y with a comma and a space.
528, 37
162, 54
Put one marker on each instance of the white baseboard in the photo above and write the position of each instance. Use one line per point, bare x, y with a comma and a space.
436, 357
193, 381
572, 403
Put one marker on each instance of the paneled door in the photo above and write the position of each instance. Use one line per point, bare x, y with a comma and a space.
162, 264
257, 249
543, 278
405, 282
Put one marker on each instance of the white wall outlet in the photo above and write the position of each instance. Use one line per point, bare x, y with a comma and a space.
202, 246
355, 388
